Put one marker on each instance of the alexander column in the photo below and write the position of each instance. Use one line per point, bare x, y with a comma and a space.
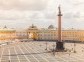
59, 43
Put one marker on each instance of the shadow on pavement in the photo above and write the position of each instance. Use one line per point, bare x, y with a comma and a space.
25, 54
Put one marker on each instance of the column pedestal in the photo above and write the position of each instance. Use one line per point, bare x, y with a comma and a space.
59, 46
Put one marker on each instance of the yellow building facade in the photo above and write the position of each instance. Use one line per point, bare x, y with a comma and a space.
52, 34
49, 33
21, 34
7, 34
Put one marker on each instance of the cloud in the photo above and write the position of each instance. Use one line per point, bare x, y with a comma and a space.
23, 4
22, 13
72, 15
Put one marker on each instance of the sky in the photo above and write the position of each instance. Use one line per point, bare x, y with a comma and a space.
21, 14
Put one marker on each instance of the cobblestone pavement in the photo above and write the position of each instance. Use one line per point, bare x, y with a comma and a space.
34, 51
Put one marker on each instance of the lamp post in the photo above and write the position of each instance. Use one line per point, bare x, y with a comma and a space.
27, 35
53, 49
74, 42
74, 47
46, 45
